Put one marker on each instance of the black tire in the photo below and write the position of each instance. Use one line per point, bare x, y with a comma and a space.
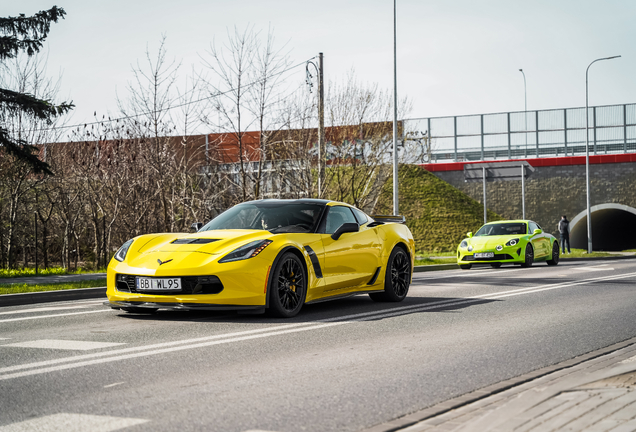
397, 278
529, 256
555, 255
495, 265
288, 287
139, 310
465, 266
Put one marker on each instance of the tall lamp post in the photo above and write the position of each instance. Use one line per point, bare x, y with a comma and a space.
525, 110
396, 204
587, 157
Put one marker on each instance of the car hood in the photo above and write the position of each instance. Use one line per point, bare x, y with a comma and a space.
188, 251
490, 242
207, 242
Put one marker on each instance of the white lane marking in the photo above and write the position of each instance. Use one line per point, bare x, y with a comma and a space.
69, 422
148, 347
602, 267
114, 384
63, 344
5, 338
129, 353
42, 309
464, 273
53, 316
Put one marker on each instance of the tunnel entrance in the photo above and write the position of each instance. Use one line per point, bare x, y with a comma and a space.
613, 228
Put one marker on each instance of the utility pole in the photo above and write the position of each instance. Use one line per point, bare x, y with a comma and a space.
321, 120
396, 202
321, 128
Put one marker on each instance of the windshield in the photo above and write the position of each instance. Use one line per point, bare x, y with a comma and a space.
273, 217
515, 228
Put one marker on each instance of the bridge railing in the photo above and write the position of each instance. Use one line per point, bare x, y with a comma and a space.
531, 134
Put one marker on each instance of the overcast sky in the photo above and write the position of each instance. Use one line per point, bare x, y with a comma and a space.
454, 56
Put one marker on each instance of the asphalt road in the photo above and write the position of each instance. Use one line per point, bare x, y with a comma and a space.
338, 366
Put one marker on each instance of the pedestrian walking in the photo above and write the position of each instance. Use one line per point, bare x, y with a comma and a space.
564, 230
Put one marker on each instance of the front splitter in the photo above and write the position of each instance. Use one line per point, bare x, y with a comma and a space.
180, 306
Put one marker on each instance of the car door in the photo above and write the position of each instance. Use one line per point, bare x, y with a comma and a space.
540, 242
352, 260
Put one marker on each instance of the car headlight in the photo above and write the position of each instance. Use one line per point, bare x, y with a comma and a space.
249, 250
123, 250
470, 248
512, 242
463, 244
499, 248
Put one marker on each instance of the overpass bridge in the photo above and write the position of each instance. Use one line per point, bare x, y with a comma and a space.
528, 134
553, 143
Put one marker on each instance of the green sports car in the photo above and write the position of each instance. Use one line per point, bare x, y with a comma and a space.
516, 242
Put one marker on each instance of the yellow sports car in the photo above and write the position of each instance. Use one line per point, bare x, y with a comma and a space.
273, 255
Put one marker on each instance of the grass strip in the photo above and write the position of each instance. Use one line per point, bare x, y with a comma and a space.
18, 288
30, 271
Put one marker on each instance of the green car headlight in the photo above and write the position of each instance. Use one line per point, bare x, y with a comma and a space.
249, 250
463, 244
512, 242
123, 250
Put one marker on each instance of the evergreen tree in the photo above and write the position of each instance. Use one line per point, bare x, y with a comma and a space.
26, 34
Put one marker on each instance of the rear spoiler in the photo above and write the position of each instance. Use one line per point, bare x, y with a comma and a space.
387, 219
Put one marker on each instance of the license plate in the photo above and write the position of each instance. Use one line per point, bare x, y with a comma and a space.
485, 255
148, 284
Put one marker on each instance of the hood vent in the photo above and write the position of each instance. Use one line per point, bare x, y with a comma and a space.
194, 241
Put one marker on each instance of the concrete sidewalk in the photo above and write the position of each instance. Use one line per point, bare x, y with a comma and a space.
595, 392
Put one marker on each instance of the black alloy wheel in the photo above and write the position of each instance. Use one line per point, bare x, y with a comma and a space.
288, 287
555, 254
495, 265
529, 257
397, 278
465, 266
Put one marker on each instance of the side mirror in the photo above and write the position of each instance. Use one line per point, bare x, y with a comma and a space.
196, 226
537, 231
469, 235
345, 228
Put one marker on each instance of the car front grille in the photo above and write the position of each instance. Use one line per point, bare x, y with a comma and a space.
497, 257
189, 284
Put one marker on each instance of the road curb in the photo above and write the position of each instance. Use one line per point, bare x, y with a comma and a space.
51, 296
435, 267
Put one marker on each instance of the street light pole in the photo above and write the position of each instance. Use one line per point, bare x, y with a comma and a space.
396, 203
321, 120
587, 157
525, 110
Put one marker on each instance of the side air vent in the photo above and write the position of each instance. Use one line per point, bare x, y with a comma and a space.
194, 241
314, 261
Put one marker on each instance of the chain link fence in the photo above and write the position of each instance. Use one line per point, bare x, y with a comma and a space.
529, 134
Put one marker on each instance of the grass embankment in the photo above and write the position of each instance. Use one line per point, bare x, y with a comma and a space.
18, 288
438, 215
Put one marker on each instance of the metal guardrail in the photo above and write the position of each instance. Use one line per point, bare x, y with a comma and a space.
529, 134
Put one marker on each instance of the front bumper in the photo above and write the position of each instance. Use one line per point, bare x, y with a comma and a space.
506, 255
235, 285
